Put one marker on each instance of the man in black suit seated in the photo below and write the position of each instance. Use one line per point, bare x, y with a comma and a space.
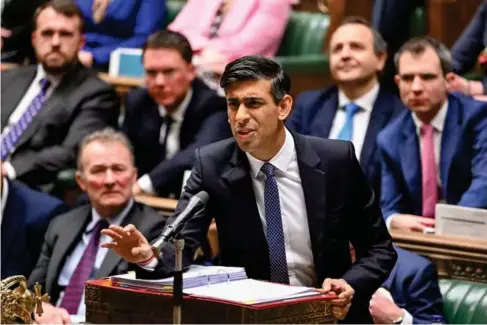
286, 205
70, 253
173, 116
48, 108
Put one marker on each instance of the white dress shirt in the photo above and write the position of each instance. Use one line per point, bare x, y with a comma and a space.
33, 90
172, 144
297, 238
438, 123
74, 259
360, 119
4, 197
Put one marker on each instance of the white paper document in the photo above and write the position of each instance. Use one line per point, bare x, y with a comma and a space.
251, 291
461, 221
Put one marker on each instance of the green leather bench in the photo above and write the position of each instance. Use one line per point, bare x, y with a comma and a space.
465, 302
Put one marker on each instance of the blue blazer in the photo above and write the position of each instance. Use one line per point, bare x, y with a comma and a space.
413, 284
25, 219
471, 43
315, 111
463, 161
127, 23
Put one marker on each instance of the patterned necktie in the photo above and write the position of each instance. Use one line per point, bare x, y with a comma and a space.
347, 131
83, 272
10, 139
275, 233
428, 171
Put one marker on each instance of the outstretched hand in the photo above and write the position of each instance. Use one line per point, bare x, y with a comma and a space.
129, 243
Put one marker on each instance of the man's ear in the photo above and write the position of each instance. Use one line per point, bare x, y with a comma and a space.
285, 107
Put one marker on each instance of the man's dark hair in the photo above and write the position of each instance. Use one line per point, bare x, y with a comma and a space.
66, 8
418, 45
167, 39
253, 68
380, 45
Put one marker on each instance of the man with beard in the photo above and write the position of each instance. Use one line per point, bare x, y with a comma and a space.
356, 108
47, 109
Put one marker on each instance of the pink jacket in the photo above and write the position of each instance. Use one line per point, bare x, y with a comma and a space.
251, 27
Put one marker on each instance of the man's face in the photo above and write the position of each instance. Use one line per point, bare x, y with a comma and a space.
57, 40
168, 76
253, 115
107, 174
352, 55
421, 83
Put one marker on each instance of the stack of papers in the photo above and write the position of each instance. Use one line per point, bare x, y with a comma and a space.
195, 276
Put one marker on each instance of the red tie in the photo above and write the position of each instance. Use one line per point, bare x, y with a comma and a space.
428, 171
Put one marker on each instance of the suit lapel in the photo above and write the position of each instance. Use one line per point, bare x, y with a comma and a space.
313, 182
449, 139
12, 95
377, 120
55, 102
323, 120
68, 238
13, 219
411, 160
238, 179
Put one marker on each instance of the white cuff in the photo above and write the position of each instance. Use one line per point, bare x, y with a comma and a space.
151, 265
145, 184
11, 174
407, 319
389, 221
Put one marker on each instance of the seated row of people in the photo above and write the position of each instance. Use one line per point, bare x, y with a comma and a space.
430, 148
218, 30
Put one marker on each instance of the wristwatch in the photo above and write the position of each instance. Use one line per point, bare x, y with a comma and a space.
398, 320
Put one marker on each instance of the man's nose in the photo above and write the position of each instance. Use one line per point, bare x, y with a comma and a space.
55, 40
242, 114
109, 177
160, 79
417, 85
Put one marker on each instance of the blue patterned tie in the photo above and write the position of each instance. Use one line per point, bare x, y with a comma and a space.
10, 139
275, 233
347, 131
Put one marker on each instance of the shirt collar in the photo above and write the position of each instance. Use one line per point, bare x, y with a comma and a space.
178, 114
438, 122
95, 217
281, 160
366, 102
41, 73
4, 193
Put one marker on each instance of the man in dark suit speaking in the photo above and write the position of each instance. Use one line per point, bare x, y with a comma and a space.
286, 206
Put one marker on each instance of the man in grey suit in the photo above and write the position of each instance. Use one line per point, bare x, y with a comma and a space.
71, 252
47, 109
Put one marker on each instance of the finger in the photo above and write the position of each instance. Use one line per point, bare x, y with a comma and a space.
129, 228
428, 222
347, 292
340, 302
112, 234
119, 230
338, 313
327, 285
109, 245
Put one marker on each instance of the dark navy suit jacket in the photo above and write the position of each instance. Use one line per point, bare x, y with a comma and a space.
463, 161
315, 111
25, 219
205, 121
471, 43
413, 283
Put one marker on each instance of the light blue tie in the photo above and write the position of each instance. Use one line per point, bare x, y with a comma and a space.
10, 139
275, 233
347, 131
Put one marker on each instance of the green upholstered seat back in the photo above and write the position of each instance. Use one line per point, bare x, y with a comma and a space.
465, 302
173, 8
305, 34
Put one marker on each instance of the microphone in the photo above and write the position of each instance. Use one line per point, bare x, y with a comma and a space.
196, 203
